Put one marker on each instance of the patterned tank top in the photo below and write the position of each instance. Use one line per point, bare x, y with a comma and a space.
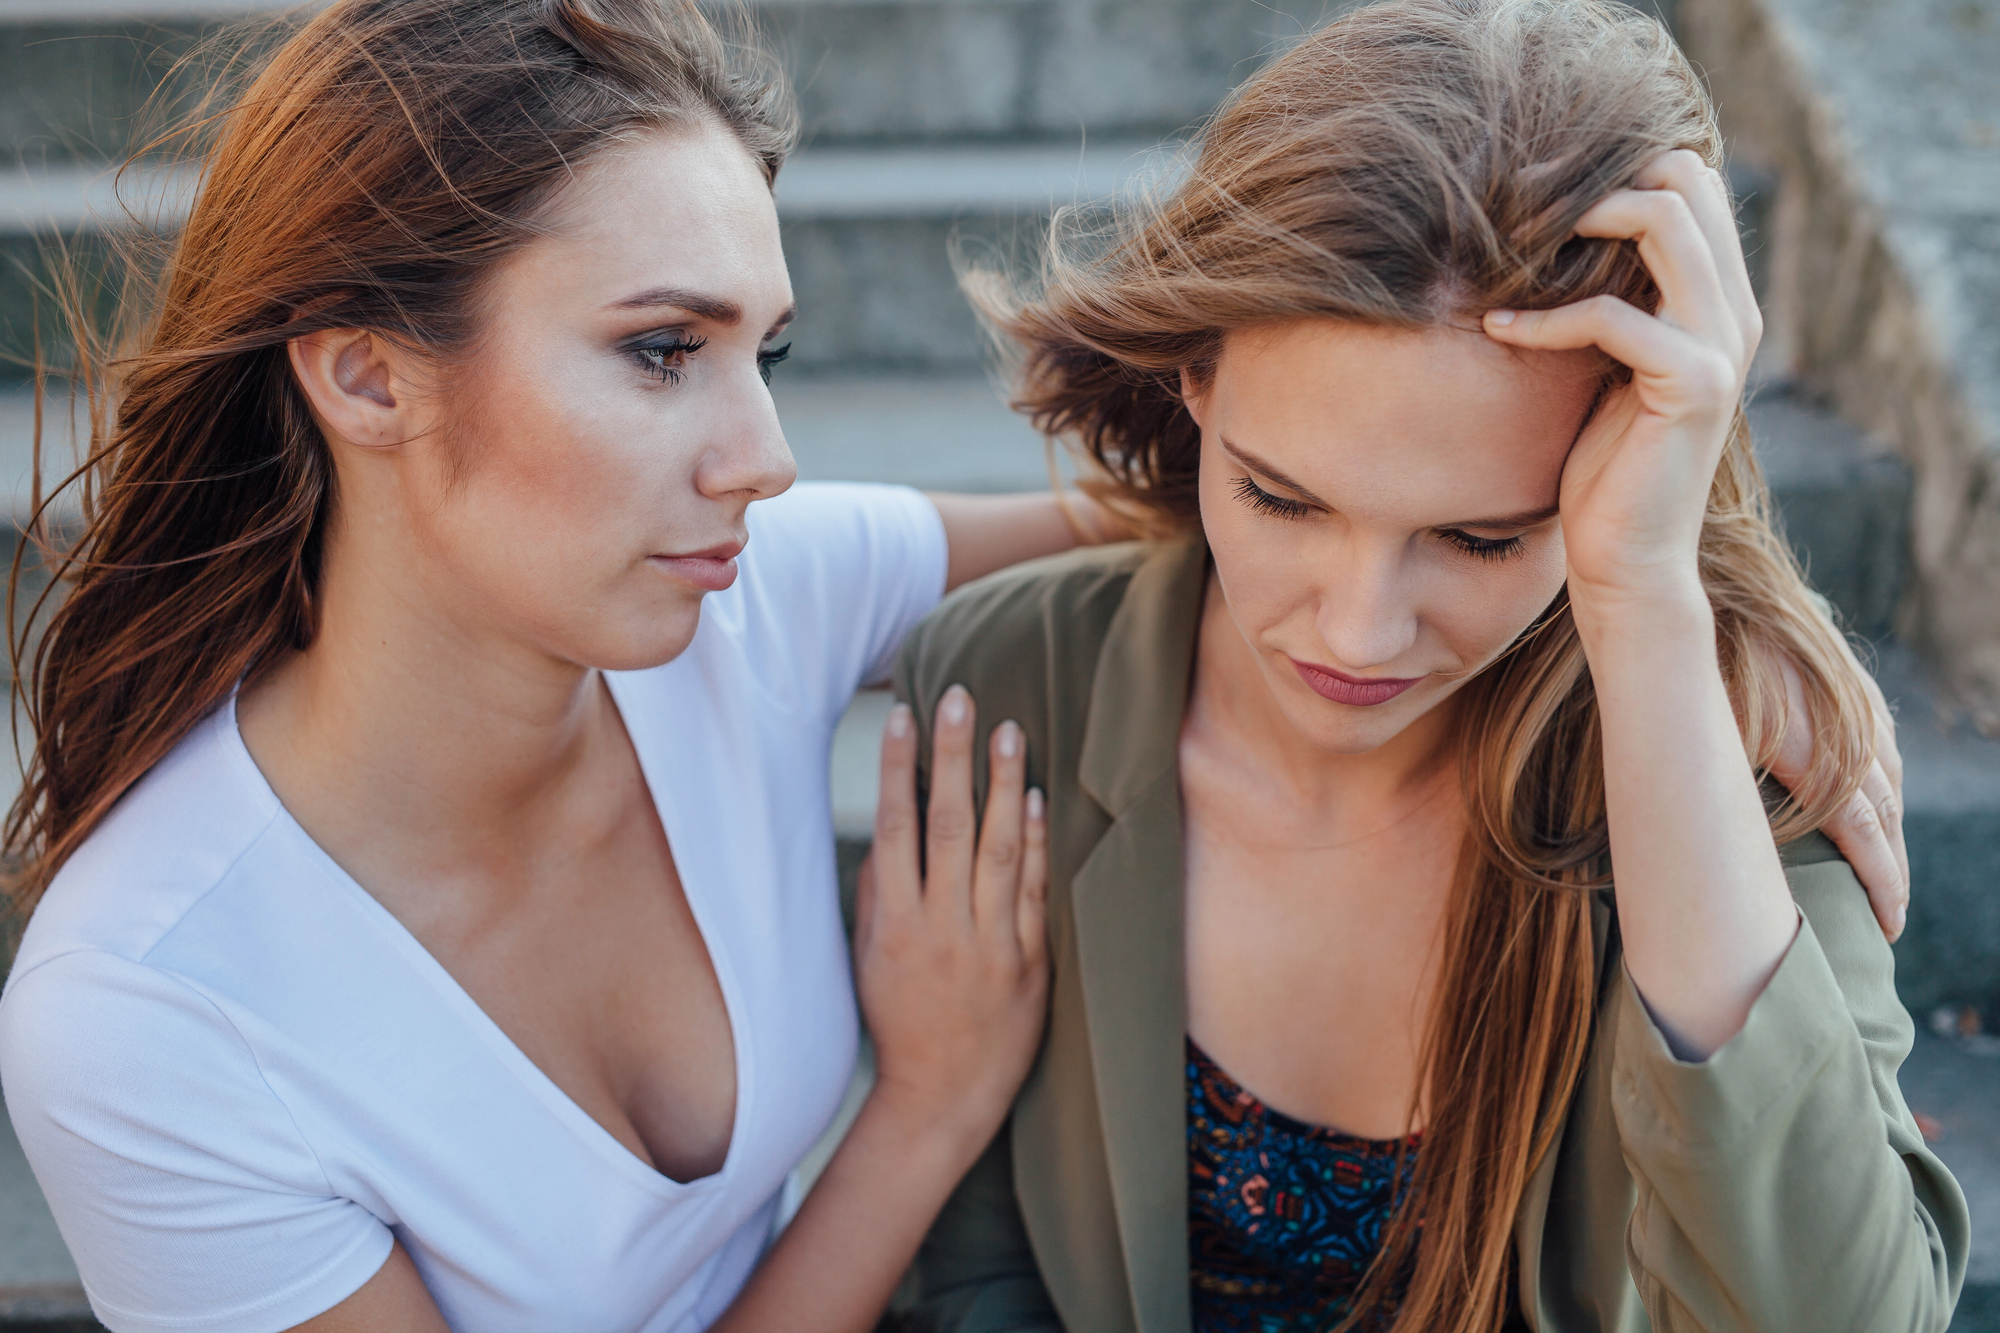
1283, 1217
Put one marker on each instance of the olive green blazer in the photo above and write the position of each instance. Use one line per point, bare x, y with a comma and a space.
1780, 1185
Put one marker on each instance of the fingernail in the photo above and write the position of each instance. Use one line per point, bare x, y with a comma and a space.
1010, 740
1902, 916
1035, 802
899, 721
953, 711
1501, 317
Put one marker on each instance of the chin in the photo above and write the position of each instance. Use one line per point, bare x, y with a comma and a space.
1344, 729
638, 643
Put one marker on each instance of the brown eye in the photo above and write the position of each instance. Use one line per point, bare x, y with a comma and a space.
665, 361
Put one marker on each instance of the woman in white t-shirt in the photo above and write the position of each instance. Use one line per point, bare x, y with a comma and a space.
428, 816
479, 964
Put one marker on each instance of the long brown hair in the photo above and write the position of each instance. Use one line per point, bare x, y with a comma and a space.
1415, 163
388, 155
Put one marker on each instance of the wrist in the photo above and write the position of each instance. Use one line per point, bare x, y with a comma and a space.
1668, 609
955, 1127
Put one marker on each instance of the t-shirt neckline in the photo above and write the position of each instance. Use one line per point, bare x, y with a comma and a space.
579, 1122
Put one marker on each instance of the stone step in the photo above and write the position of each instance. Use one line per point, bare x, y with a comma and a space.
38, 1282
74, 73
869, 236
1879, 126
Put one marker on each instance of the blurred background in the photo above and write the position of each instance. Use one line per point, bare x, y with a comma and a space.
1865, 143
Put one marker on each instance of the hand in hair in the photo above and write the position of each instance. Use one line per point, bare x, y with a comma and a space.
1636, 488
1869, 828
1703, 903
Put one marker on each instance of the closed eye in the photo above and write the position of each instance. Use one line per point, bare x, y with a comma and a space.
1485, 548
1261, 500
771, 357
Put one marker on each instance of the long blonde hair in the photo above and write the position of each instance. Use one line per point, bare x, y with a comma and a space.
1413, 163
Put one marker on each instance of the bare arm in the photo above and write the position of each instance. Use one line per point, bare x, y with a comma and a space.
1703, 906
991, 532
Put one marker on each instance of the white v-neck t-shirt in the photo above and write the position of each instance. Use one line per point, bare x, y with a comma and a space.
238, 1077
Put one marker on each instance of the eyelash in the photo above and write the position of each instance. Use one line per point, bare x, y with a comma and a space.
766, 360
664, 361
1261, 500
1483, 548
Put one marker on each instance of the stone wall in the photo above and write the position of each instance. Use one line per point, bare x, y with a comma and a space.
1881, 125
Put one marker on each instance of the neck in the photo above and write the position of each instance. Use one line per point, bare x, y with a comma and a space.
1232, 706
417, 719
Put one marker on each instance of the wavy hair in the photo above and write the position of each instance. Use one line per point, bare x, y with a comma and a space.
386, 158
1413, 164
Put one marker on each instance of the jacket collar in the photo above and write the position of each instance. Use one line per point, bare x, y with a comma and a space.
1144, 671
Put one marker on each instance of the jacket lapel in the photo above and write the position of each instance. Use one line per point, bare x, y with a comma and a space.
1127, 905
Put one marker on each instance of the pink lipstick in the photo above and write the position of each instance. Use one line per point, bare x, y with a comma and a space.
1353, 690
711, 570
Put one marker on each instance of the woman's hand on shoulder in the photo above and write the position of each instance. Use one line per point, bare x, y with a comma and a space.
1635, 489
950, 947
1869, 828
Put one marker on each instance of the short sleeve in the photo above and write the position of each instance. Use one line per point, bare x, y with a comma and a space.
838, 573
183, 1188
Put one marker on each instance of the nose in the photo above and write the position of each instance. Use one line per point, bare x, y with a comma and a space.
749, 457
1367, 610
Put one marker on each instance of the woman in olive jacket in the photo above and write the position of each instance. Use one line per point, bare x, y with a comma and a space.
1429, 950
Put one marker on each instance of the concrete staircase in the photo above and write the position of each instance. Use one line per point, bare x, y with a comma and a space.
941, 123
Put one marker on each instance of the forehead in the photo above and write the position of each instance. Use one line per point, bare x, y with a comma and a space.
1427, 425
678, 207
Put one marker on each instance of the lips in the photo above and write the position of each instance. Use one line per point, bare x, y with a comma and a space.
711, 570
1355, 691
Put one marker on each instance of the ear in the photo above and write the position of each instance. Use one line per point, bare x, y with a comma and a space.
358, 384
1194, 396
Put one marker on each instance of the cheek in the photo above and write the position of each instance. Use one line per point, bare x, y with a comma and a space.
1482, 608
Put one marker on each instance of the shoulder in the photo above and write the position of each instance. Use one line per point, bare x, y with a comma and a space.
168, 842
1050, 612
826, 524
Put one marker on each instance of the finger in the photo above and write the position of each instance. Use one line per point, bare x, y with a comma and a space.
892, 863
864, 897
949, 834
1707, 195
1678, 256
1678, 370
1886, 753
996, 874
1031, 905
1887, 802
1859, 833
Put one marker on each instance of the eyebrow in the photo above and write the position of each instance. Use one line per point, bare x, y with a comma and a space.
1528, 518
718, 309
